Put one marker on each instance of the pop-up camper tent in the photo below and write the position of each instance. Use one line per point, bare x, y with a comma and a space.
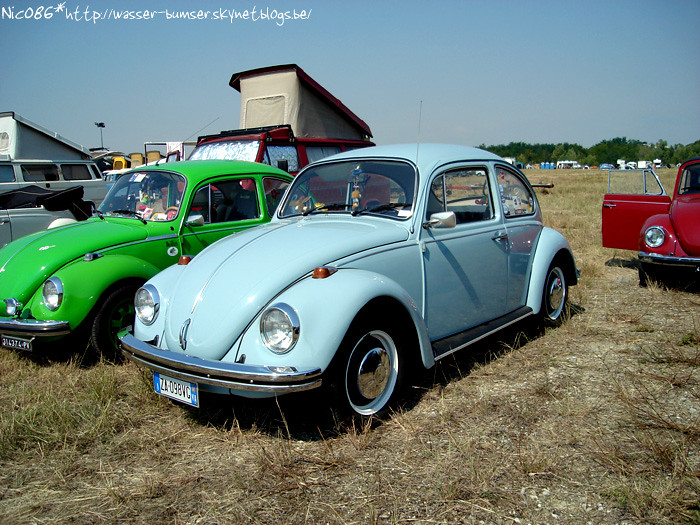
285, 94
22, 139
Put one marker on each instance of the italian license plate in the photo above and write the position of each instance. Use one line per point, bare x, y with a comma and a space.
182, 391
16, 342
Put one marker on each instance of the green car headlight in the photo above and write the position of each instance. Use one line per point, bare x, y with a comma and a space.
52, 293
654, 236
147, 304
279, 328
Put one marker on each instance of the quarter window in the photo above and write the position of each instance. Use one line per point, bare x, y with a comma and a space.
274, 154
516, 197
465, 192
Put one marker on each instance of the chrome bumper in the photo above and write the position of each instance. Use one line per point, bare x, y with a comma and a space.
669, 260
236, 376
33, 327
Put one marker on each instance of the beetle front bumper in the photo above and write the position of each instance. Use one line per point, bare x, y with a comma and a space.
234, 376
33, 327
670, 261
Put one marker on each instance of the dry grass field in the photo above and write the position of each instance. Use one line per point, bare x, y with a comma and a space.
594, 422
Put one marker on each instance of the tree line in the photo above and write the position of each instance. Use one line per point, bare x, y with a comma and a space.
606, 151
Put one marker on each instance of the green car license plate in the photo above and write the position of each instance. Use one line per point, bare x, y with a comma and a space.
176, 389
16, 342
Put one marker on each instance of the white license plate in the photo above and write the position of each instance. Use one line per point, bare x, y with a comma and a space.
182, 391
16, 342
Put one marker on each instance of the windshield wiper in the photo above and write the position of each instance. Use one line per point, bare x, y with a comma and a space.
99, 214
331, 206
130, 213
381, 207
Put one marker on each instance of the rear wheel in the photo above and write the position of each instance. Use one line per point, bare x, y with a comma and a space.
114, 313
555, 295
369, 369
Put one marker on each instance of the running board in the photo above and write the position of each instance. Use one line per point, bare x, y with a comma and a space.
448, 345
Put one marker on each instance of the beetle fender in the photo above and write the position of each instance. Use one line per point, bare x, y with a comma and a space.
326, 308
84, 282
670, 244
550, 245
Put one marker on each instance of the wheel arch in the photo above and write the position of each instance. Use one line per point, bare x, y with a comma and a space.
552, 246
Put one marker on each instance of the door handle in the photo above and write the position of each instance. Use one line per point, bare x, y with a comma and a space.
609, 205
500, 236
3, 220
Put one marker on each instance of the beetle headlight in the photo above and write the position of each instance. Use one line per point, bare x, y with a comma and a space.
279, 328
654, 236
52, 293
147, 304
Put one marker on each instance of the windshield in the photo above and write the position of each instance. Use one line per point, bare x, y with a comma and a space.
366, 186
227, 150
146, 195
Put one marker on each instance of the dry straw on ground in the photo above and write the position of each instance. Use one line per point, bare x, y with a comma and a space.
594, 422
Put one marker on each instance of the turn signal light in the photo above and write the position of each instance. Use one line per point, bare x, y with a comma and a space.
321, 272
184, 259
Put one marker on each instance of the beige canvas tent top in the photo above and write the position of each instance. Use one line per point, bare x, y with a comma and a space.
285, 94
22, 139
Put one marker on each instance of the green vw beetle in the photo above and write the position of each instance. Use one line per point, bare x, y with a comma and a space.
80, 279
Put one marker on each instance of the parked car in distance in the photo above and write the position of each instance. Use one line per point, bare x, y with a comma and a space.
80, 279
33, 208
377, 263
638, 214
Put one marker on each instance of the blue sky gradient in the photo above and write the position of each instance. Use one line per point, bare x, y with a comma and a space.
486, 72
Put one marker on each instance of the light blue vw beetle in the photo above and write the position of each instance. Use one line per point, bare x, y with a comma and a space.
377, 263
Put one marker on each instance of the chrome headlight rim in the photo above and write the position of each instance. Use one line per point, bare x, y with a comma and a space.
53, 298
289, 318
654, 236
147, 297
12, 306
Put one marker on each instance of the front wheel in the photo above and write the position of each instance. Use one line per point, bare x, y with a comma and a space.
369, 369
114, 313
555, 296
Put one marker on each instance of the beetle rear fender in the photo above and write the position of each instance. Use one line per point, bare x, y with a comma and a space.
327, 307
550, 246
85, 282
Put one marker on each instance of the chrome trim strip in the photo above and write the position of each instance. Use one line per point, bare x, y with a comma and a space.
485, 334
235, 376
35, 327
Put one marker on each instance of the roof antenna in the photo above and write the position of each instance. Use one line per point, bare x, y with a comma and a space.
420, 116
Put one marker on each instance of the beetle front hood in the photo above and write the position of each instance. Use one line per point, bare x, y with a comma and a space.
226, 286
685, 216
28, 261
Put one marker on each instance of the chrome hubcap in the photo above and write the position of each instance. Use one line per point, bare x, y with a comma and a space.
373, 374
555, 293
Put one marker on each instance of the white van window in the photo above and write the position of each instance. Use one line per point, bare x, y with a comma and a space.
75, 172
7, 173
39, 172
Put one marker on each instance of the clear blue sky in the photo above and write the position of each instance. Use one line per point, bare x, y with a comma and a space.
490, 72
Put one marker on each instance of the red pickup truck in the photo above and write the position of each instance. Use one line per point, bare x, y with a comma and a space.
639, 215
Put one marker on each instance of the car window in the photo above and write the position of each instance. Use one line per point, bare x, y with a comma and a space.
690, 180
226, 201
633, 182
7, 173
314, 153
227, 150
380, 187
464, 191
516, 197
273, 154
75, 172
39, 172
274, 190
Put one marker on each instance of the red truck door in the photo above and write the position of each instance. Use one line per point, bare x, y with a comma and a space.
633, 196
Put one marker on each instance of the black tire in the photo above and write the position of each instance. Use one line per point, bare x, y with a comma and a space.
555, 295
369, 369
114, 313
